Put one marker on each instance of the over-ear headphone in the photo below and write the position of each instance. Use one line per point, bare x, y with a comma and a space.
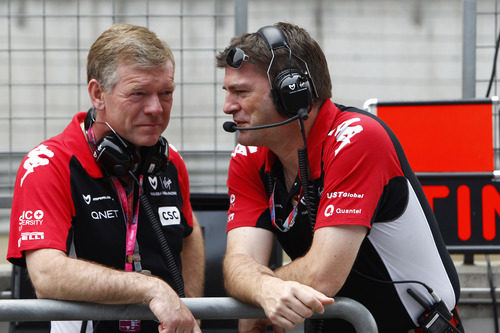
117, 157
292, 89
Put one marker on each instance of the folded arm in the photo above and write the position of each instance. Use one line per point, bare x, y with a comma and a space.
247, 277
193, 262
57, 276
328, 262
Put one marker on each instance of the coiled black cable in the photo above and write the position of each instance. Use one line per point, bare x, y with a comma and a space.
494, 68
160, 237
165, 249
310, 197
490, 278
492, 293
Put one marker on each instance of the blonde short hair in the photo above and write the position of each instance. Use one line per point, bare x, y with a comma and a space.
124, 43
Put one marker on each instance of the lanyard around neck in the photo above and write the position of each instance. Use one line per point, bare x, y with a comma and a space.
131, 218
290, 220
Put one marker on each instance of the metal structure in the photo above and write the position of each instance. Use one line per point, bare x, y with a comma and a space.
43, 46
202, 308
481, 29
43, 49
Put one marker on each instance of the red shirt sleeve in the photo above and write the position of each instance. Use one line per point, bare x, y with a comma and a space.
183, 177
42, 208
247, 197
359, 160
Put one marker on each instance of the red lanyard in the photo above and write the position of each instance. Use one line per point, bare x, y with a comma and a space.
290, 220
132, 219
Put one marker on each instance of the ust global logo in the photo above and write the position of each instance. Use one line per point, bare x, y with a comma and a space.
30, 218
35, 159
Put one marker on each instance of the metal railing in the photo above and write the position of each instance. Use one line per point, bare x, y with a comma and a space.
202, 308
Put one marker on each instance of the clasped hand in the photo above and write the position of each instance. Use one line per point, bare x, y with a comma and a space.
286, 304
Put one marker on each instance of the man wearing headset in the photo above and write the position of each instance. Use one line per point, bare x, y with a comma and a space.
331, 183
98, 209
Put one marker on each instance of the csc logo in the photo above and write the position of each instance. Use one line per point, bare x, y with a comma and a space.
169, 215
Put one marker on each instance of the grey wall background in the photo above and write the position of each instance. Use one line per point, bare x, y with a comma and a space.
385, 49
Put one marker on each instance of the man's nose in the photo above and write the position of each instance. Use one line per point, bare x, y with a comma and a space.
153, 104
230, 105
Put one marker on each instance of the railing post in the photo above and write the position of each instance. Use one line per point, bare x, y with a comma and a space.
240, 17
469, 49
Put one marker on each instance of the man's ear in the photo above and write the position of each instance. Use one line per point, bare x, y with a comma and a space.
96, 94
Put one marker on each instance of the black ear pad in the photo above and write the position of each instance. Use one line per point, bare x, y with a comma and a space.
89, 118
114, 157
153, 158
291, 92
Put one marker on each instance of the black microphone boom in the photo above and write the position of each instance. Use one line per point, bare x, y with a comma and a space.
230, 126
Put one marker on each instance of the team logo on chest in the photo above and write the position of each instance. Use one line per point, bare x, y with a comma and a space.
345, 132
169, 215
153, 181
162, 186
86, 198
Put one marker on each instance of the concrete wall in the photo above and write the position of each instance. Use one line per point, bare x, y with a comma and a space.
385, 49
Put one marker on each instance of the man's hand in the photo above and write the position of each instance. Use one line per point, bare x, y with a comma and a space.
79, 280
257, 326
289, 303
173, 314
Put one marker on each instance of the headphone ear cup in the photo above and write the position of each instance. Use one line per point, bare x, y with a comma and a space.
113, 157
291, 92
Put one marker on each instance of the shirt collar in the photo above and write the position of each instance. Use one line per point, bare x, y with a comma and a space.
322, 125
318, 134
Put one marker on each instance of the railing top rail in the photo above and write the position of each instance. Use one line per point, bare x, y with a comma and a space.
202, 308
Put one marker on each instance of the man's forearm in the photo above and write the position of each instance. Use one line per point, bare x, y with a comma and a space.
244, 277
193, 263
57, 276
294, 271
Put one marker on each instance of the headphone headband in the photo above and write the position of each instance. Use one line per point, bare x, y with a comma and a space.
274, 37
292, 88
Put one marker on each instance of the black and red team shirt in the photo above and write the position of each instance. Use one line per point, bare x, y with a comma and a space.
63, 201
361, 177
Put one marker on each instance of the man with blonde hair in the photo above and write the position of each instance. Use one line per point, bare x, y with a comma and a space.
101, 212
